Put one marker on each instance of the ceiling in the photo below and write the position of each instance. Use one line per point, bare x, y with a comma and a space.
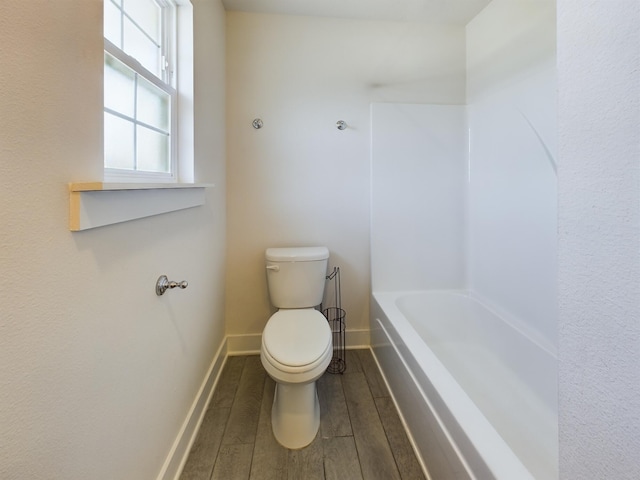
456, 12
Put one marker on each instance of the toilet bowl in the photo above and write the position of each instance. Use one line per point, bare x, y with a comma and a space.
296, 351
296, 341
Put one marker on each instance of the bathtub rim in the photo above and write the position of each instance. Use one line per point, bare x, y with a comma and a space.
493, 451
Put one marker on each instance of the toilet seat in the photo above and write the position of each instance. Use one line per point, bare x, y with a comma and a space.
297, 340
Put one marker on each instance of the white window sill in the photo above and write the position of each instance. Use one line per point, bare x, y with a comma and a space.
96, 204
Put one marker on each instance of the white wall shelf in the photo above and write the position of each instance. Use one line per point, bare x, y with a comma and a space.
96, 204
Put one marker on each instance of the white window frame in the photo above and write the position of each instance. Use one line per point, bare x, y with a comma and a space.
178, 83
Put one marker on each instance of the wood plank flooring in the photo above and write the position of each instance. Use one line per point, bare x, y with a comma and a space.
360, 437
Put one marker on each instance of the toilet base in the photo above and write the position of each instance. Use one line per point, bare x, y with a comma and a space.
295, 414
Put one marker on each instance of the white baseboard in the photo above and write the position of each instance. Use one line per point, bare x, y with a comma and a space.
357, 339
179, 452
244, 344
250, 344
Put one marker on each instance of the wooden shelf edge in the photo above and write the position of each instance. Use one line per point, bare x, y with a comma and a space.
108, 186
97, 204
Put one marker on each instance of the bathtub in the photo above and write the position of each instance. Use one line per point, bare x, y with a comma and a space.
477, 394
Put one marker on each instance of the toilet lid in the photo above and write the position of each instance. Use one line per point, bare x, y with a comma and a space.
297, 337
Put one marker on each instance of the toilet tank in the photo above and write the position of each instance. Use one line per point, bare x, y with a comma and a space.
296, 276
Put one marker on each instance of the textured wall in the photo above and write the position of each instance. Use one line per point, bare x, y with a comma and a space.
299, 180
599, 238
97, 373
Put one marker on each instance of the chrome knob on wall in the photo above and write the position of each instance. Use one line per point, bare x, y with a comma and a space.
163, 284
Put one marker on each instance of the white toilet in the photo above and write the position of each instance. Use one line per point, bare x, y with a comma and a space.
296, 342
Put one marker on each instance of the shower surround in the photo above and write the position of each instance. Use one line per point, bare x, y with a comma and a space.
464, 207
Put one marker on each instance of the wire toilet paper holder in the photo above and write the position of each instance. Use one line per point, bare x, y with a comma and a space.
336, 317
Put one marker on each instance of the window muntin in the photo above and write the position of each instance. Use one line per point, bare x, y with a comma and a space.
137, 27
139, 103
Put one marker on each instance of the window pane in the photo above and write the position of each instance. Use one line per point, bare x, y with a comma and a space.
153, 151
146, 14
138, 115
141, 48
118, 143
119, 86
112, 25
153, 105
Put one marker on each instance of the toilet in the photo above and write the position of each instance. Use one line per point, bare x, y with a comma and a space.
296, 342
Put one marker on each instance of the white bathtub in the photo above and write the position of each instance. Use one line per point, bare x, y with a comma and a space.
478, 396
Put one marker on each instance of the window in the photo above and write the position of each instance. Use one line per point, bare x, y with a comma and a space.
141, 111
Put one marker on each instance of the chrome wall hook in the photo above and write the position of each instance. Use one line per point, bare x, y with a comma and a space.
341, 124
164, 284
257, 123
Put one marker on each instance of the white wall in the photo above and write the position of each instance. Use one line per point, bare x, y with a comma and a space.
97, 373
599, 238
418, 196
299, 180
512, 197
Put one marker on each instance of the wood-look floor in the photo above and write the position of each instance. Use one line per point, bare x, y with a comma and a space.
360, 436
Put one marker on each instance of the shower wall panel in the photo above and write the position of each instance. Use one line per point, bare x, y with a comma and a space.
418, 196
512, 195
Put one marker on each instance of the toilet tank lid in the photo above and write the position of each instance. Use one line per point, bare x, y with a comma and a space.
297, 254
